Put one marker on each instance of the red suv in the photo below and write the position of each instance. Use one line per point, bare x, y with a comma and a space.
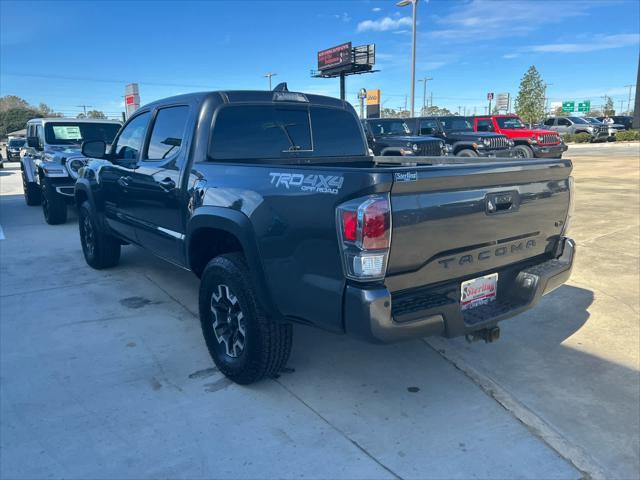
529, 143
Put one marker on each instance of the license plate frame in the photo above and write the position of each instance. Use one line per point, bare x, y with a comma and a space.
479, 291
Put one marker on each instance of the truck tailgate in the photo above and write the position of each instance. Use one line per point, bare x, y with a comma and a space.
460, 221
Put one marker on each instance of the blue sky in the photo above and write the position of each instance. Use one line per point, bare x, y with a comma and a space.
72, 53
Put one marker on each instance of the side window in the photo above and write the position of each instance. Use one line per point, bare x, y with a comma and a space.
484, 125
131, 138
564, 122
549, 122
40, 134
428, 126
168, 132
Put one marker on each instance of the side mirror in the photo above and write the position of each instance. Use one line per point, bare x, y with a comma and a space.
33, 142
94, 149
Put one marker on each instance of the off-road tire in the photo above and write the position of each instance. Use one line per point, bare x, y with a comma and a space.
523, 151
267, 343
466, 152
32, 193
54, 206
100, 249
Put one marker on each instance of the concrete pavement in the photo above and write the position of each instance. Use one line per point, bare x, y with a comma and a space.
105, 375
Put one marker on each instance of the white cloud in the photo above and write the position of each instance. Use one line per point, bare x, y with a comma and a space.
605, 42
376, 9
490, 19
384, 24
343, 17
510, 55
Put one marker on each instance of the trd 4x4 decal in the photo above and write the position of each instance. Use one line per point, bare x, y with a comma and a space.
308, 183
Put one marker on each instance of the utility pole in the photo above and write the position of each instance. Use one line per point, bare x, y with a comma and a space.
269, 75
621, 106
629, 100
424, 92
431, 100
459, 109
84, 107
414, 4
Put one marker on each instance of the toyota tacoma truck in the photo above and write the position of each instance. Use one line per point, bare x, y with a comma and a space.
392, 137
272, 199
52, 158
529, 143
458, 133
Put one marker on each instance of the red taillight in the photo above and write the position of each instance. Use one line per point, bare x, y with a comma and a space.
364, 228
375, 225
350, 226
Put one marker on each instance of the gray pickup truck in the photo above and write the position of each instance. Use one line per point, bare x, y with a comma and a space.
272, 199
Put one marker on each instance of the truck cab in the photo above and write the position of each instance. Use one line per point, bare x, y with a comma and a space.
52, 158
529, 142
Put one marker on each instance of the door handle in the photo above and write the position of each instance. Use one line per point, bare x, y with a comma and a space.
167, 184
124, 181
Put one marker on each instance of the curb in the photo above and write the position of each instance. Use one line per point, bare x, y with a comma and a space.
575, 455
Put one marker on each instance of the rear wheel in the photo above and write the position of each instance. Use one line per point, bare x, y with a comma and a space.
100, 249
244, 343
32, 193
467, 152
54, 205
522, 151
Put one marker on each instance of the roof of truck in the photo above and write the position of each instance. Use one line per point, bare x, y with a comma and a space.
250, 96
74, 120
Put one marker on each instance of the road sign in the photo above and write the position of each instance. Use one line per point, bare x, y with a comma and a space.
584, 106
131, 99
490, 96
502, 101
569, 106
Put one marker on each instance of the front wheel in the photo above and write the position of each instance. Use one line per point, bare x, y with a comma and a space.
32, 192
54, 206
244, 343
100, 249
466, 153
522, 151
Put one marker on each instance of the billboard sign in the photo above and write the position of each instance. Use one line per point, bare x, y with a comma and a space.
490, 96
335, 57
569, 106
131, 99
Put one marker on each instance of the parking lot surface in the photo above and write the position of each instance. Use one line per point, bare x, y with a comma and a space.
105, 374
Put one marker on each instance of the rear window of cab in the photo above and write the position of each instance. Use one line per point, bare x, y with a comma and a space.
252, 132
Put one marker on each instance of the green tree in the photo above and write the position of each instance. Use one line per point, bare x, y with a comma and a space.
435, 110
558, 112
9, 102
529, 103
96, 114
608, 107
16, 119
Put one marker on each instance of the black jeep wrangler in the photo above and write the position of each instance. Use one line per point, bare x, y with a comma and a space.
458, 133
392, 137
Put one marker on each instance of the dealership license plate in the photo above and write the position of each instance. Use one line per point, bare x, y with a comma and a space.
478, 291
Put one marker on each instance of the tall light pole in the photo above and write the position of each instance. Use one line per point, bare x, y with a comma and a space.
269, 75
628, 101
546, 99
414, 4
424, 93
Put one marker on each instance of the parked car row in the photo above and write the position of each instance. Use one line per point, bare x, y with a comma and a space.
485, 137
275, 202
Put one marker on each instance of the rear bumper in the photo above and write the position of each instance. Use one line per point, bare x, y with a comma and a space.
551, 151
380, 317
